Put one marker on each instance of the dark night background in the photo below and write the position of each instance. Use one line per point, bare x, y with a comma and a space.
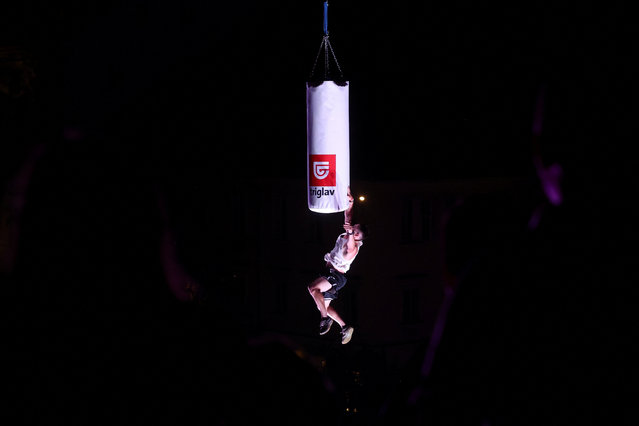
133, 99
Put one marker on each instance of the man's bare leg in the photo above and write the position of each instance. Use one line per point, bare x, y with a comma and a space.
316, 288
333, 314
347, 332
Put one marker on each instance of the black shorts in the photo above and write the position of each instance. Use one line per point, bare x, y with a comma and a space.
337, 280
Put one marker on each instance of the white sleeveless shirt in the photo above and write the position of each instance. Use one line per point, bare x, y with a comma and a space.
336, 256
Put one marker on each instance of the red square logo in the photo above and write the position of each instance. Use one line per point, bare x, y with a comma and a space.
322, 170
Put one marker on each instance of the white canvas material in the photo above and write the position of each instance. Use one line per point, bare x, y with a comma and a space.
328, 157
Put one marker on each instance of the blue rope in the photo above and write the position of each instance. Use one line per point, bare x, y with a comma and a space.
325, 18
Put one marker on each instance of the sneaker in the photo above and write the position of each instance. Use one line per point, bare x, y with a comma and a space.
347, 333
325, 325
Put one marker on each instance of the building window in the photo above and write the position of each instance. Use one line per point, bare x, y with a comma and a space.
416, 219
410, 306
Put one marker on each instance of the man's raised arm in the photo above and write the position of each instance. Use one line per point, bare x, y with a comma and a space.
348, 213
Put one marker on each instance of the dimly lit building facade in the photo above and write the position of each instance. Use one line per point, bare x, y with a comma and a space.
395, 286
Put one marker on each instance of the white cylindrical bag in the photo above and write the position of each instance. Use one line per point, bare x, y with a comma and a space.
328, 160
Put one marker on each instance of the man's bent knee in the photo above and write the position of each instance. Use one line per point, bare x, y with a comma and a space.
314, 288
319, 286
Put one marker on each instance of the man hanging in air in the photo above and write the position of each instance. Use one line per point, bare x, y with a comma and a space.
325, 288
